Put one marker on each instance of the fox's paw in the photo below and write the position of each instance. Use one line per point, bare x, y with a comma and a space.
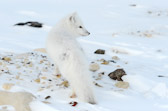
92, 102
91, 99
73, 95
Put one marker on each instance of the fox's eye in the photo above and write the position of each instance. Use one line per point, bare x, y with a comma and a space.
80, 26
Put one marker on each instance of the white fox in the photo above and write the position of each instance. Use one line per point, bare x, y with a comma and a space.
69, 59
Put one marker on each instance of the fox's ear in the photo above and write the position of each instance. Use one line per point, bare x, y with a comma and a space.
72, 19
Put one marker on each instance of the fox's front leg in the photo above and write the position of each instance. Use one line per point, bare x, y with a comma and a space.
73, 94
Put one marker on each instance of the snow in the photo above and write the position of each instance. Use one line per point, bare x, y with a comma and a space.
135, 31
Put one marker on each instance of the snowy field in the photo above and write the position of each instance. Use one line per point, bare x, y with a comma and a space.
136, 31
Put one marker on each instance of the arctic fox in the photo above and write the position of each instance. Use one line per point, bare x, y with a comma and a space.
19, 100
68, 56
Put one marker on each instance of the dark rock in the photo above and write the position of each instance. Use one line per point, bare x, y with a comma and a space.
31, 23
21, 24
133, 5
28, 63
99, 51
43, 56
47, 97
35, 24
160, 76
49, 80
117, 74
112, 61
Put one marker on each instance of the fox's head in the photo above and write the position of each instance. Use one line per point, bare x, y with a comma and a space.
76, 25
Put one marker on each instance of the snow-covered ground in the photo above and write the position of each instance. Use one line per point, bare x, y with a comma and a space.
136, 31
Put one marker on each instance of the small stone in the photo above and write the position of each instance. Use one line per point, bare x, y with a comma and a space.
58, 75
159, 50
46, 102
101, 60
98, 85
30, 23
7, 86
133, 5
126, 62
17, 77
6, 59
34, 24
122, 84
147, 35
31, 65
118, 66
105, 62
149, 12
47, 97
20, 24
161, 76
100, 76
115, 58
99, 51
49, 80
37, 80
44, 77
94, 67
41, 62
65, 84
117, 74
112, 61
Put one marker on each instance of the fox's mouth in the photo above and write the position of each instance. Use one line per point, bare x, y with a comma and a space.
83, 35
88, 33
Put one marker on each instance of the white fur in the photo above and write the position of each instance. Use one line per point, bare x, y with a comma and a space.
19, 100
63, 48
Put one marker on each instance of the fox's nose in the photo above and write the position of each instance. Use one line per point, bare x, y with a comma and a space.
88, 33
